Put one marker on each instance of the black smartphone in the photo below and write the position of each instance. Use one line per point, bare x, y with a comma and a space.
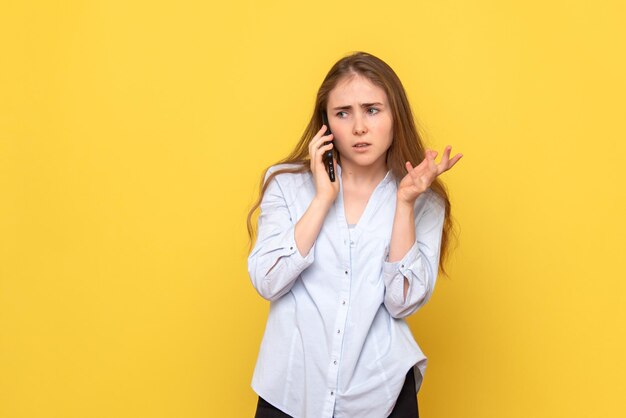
328, 155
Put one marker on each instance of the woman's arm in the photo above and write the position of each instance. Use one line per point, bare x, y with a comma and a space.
276, 260
402, 234
411, 271
409, 282
277, 257
309, 226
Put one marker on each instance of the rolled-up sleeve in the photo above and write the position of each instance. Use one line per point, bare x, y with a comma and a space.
275, 261
419, 266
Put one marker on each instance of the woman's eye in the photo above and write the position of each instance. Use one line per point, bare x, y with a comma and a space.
375, 110
340, 114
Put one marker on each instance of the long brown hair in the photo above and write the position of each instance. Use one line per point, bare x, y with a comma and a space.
406, 145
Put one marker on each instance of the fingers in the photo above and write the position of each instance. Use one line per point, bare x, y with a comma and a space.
318, 140
321, 137
446, 156
318, 135
446, 162
429, 155
443, 164
424, 163
322, 133
454, 160
417, 172
428, 163
319, 153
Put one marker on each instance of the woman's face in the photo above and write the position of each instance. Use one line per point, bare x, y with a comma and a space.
359, 113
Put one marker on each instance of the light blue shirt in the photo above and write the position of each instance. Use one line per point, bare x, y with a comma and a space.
336, 342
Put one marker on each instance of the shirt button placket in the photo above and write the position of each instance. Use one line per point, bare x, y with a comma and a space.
333, 371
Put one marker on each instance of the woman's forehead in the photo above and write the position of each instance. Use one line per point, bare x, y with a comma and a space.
356, 88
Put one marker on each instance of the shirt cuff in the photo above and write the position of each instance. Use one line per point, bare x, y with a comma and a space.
300, 262
402, 267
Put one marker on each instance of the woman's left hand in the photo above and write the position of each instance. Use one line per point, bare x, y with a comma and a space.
421, 177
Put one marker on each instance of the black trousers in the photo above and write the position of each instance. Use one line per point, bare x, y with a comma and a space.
406, 405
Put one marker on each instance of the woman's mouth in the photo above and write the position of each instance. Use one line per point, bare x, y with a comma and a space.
361, 146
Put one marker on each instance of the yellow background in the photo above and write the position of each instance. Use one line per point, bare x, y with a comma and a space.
132, 138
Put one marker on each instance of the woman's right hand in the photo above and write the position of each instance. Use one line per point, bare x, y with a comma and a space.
326, 190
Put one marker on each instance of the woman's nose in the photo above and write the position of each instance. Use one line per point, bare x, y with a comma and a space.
359, 126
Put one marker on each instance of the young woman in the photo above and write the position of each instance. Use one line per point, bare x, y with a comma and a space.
344, 262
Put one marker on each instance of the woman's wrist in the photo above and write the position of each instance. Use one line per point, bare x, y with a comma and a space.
322, 202
404, 205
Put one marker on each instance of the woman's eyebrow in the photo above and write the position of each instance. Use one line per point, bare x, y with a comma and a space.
362, 105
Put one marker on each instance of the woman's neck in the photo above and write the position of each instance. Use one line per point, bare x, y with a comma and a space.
362, 177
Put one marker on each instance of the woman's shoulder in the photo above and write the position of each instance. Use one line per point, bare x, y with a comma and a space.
429, 200
289, 173
435, 199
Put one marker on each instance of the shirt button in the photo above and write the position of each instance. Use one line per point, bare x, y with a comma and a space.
291, 248
338, 331
335, 362
332, 393
402, 265
346, 271
343, 303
